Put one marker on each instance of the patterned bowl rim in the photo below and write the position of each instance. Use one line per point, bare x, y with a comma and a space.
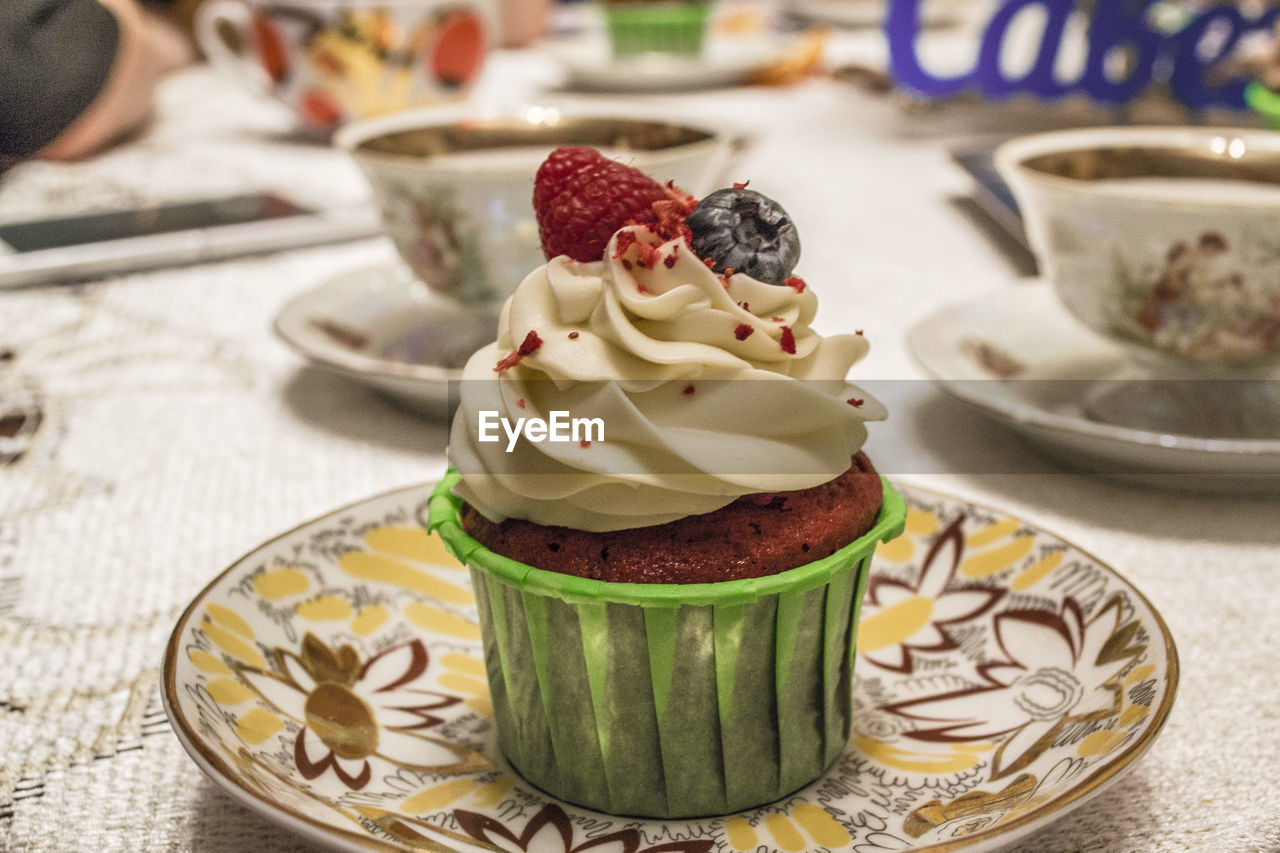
1011, 156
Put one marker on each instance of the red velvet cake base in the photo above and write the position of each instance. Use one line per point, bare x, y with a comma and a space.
756, 535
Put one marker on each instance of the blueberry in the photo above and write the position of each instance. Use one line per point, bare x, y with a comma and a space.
747, 232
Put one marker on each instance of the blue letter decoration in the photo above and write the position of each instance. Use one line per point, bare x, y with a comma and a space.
1126, 53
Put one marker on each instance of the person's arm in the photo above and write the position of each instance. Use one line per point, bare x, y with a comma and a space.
76, 74
55, 56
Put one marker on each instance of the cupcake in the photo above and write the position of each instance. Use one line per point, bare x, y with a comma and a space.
668, 602
656, 26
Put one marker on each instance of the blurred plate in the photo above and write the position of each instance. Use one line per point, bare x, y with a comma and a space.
856, 14
382, 327
333, 681
1018, 356
727, 61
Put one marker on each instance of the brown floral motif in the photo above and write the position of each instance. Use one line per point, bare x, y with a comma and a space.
21, 414
1030, 700
927, 607
417, 834
351, 711
552, 823
1201, 304
267, 780
993, 359
342, 335
978, 808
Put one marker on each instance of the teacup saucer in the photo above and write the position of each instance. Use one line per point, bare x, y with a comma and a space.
381, 326
1018, 356
728, 60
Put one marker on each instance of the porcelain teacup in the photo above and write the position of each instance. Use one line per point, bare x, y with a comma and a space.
1165, 239
455, 190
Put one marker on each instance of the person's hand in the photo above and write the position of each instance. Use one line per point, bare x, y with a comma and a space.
147, 49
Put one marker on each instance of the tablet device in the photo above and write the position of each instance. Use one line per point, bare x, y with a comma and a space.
93, 245
990, 191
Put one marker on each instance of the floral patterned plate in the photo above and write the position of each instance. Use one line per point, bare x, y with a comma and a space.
332, 680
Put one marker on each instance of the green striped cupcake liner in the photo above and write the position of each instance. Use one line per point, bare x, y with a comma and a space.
669, 700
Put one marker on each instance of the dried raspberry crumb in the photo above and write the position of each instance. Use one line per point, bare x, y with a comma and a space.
745, 307
530, 343
669, 261
688, 389
788, 342
625, 241
728, 271
648, 256
708, 263
741, 185
584, 443
520, 402
724, 282
671, 225
573, 336
796, 283
641, 288
779, 319
671, 213
743, 332
855, 401
857, 331
681, 199
528, 346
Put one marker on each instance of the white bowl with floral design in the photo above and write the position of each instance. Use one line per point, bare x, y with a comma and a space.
1166, 239
455, 187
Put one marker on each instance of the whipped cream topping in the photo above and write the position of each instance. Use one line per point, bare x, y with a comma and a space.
692, 374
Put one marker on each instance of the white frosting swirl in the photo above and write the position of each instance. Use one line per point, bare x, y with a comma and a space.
648, 350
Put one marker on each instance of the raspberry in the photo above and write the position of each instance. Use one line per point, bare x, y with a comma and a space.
582, 197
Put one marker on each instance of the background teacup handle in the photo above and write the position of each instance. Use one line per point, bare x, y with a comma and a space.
237, 15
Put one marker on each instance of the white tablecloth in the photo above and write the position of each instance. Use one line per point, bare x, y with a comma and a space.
153, 430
